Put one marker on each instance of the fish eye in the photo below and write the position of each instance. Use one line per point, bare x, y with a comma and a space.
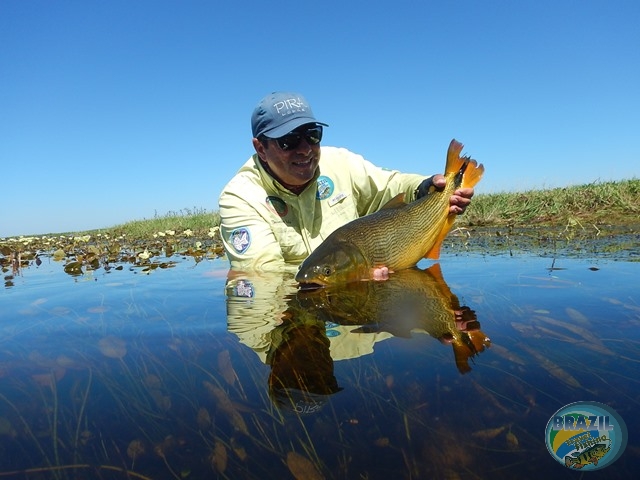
327, 270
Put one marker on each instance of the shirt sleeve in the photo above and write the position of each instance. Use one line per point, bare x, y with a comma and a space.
247, 237
374, 186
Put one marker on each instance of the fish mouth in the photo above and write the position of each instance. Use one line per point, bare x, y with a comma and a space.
310, 286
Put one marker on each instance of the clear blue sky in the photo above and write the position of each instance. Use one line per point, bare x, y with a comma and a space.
117, 110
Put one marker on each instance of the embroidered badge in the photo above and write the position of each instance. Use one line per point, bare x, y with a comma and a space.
277, 205
325, 187
243, 288
240, 238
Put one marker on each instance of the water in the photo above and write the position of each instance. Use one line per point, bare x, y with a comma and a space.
168, 374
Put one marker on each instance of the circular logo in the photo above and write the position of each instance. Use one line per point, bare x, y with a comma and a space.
586, 436
277, 205
325, 187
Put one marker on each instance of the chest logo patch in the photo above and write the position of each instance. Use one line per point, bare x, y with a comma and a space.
325, 187
277, 205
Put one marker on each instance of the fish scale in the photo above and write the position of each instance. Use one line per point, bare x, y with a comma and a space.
397, 236
395, 228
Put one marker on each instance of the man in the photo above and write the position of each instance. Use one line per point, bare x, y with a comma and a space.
285, 201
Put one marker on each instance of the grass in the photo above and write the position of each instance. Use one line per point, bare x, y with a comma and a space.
610, 203
599, 203
198, 221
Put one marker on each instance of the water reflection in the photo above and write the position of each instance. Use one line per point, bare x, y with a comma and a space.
317, 326
412, 301
182, 373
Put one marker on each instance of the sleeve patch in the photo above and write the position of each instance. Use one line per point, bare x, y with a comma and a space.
240, 238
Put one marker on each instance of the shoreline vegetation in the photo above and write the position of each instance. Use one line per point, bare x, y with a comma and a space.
595, 204
586, 212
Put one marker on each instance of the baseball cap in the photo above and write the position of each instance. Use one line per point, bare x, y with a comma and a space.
279, 113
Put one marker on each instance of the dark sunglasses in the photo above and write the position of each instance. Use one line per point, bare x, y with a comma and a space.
291, 140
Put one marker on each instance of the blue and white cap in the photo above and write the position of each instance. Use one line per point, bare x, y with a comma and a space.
279, 113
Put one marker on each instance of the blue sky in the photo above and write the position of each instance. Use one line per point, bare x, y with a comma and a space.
121, 110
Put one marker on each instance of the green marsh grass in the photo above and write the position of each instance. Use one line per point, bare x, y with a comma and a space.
597, 203
197, 220
615, 203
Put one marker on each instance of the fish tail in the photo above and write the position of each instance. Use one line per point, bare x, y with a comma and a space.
462, 354
454, 161
479, 340
472, 170
471, 173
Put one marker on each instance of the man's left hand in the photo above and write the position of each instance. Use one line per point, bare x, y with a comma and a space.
460, 199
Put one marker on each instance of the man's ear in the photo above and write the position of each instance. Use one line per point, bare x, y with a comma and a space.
260, 148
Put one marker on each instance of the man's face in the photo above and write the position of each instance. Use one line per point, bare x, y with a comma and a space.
295, 167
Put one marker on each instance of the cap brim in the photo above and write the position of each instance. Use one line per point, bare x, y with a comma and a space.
282, 130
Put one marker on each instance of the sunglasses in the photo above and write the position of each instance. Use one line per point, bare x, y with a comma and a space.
291, 140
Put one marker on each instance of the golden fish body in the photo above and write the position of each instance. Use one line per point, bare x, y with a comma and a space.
397, 236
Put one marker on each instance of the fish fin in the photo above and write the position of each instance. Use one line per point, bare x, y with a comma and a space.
473, 171
462, 354
479, 340
434, 251
436, 272
454, 161
472, 174
443, 288
395, 202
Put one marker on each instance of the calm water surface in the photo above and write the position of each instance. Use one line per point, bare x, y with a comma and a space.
450, 371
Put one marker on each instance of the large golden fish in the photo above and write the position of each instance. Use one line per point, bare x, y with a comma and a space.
397, 236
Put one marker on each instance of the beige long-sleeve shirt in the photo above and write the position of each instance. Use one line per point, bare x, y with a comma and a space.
266, 227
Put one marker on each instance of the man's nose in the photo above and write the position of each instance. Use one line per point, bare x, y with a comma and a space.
303, 146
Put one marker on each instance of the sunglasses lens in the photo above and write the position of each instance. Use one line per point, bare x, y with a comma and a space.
290, 141
313, 135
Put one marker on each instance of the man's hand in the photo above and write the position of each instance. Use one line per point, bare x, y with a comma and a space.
380, 274
460, 199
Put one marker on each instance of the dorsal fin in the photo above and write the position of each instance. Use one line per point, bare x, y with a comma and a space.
395, 202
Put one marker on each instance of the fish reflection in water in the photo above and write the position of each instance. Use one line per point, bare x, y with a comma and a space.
317, 326
412, 300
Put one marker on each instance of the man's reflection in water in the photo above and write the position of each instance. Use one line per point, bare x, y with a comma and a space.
301, 364
300, 333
